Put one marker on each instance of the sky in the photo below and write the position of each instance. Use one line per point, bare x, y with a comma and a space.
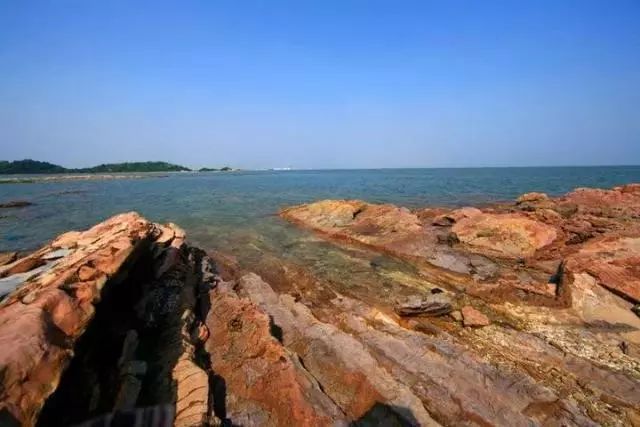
321, 84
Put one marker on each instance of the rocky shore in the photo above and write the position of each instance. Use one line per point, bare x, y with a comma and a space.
519, 314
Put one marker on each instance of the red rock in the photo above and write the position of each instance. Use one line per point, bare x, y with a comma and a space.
42, 319
454, 216
312, 348
264, 382
614, 262
510, 235
473, 317
617, 202
367, 223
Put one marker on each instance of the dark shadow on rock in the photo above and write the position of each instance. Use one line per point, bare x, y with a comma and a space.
7, 419
275, 330
382, 414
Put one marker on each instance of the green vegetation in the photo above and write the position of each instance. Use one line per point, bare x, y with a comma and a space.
135, 167
29, 166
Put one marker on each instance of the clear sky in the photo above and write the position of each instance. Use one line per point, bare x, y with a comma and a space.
321, 84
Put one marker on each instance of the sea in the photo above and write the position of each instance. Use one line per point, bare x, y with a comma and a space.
236, 213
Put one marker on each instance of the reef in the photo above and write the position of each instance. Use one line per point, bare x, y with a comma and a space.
520, 313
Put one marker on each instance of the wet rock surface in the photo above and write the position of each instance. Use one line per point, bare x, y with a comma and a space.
15, 204
558, 275
474, 317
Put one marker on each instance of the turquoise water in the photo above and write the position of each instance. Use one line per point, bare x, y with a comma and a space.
237, 211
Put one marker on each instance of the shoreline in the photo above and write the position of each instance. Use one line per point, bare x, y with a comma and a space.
79, 177
528, 303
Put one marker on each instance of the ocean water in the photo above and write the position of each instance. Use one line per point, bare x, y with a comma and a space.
237, 212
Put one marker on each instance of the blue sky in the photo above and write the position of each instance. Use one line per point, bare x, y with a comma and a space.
321, 84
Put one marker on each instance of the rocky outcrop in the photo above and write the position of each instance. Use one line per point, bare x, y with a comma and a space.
552, 281
76, 330
516, 250
492, 316
265, 384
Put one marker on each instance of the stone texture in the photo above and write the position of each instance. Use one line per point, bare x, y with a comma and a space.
509, 235
265, 384
614, 262
128, 315
473, 317
349, 374
54, 304
7, 257
429, 305
532, 197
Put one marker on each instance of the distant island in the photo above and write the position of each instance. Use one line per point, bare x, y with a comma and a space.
224, 169
29, 166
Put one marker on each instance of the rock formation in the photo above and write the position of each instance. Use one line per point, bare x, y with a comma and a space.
518, 314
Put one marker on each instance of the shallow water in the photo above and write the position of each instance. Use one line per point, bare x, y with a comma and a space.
236, 212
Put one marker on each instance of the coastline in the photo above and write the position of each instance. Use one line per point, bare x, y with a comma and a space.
78, 177
530, 303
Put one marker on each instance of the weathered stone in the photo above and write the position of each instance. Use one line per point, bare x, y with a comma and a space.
509, 235
532, 197
129, 314
473, 317
615, 263
454, 216
430, 305
7, 257
265, 383
42, 319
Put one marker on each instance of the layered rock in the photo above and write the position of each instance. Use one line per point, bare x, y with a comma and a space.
556, 281
71, 334
504, 318
509, 247
508, 235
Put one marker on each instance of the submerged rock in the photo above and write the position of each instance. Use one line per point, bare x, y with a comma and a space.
499, 245
15, 204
